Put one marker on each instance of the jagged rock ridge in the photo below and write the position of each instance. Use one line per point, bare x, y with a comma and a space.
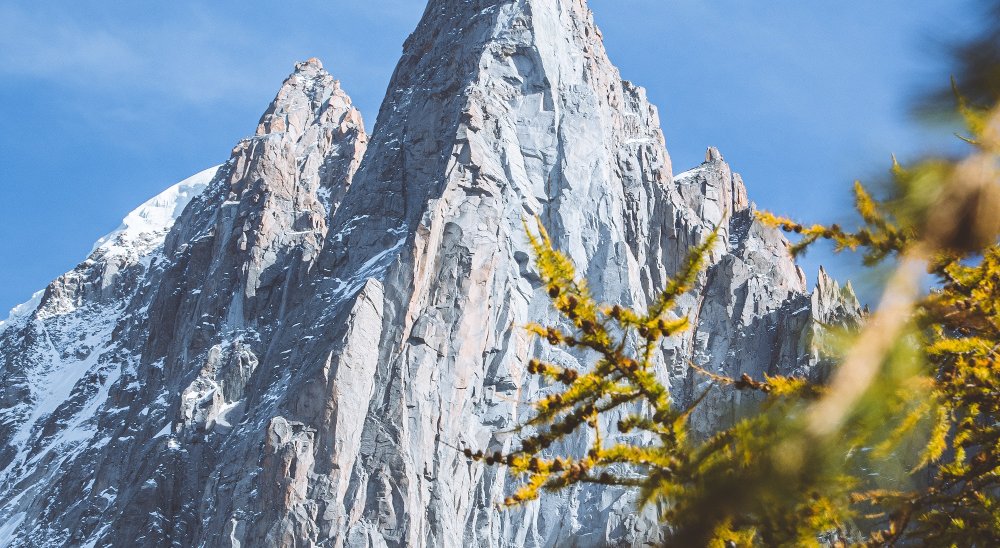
292, 358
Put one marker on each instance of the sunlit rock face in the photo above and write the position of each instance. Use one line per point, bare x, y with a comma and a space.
286, 350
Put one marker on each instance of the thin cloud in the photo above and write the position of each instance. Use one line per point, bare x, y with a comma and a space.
46, 49
192, 59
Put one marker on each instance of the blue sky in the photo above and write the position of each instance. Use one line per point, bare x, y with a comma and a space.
107, 103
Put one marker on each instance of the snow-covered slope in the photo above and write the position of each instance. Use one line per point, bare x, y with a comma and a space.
22, 310
144, 229
58, 353
141, 233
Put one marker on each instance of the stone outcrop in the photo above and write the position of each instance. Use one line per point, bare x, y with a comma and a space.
291, 356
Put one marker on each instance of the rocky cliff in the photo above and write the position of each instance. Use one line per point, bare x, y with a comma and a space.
285, 350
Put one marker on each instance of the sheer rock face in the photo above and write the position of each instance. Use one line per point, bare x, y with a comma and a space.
293, 359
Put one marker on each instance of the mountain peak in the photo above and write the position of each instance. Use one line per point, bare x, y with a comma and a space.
310, 63
310, 95
329, 319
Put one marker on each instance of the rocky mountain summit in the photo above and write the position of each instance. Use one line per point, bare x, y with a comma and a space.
287, 349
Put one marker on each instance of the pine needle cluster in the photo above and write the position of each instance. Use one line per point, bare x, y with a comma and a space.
939, 380
703, 486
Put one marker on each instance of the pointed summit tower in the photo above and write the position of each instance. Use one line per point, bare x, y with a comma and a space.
333, 316
500, 111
